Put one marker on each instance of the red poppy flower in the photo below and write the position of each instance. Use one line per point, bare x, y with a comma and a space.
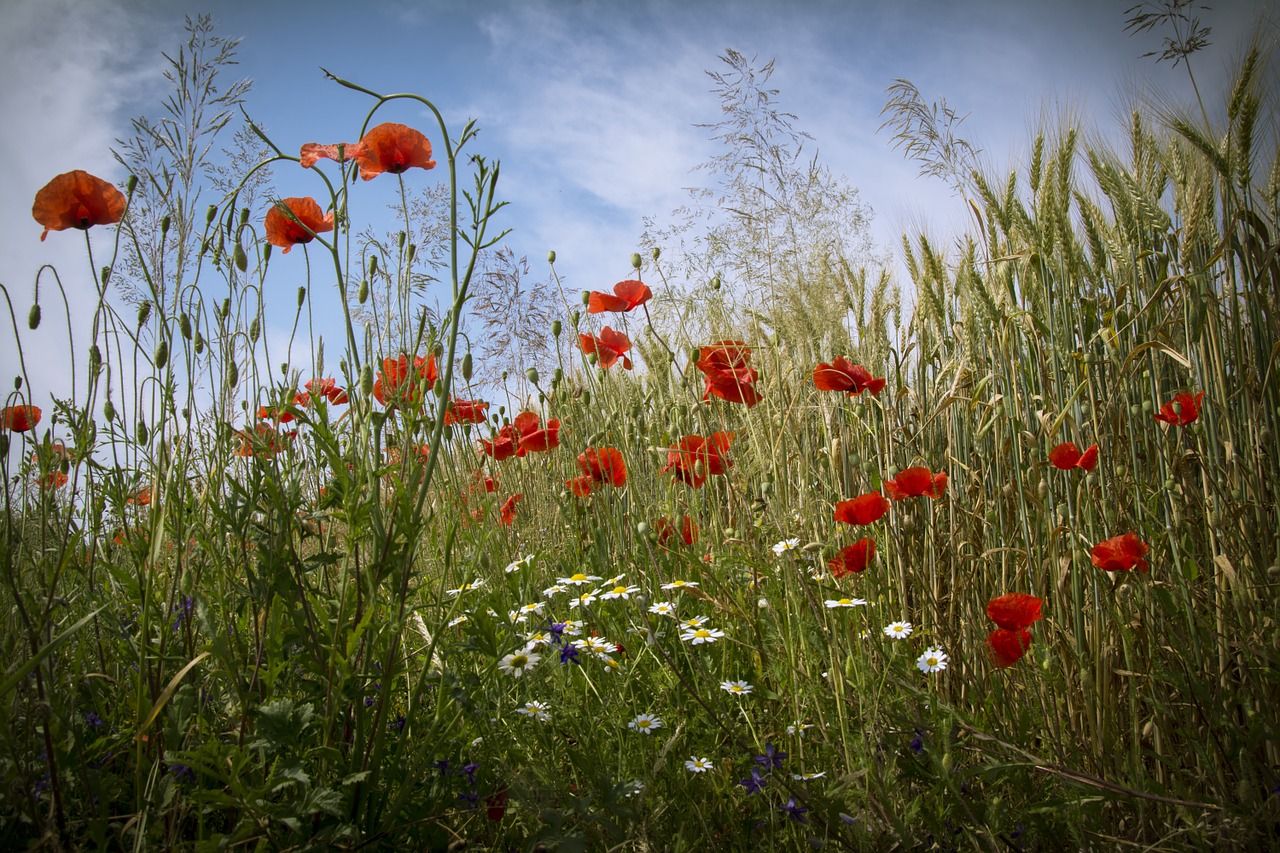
497, 805
1187, 411
603, 465
916, 482
142, 497
77, 200
288, 231
1008, 646
534, 437
52, 480
327, 388
666, 530
723, 355
264, 441
844, 375
695, 458
580, 485
853, 558
864, 509
609, 347
503, 445
1067, 456
466, 412
1121, 554
735, 386
389, 147
396, 384
508, 509
19, 418
479, 480
1014, 610
627, 295
281, 416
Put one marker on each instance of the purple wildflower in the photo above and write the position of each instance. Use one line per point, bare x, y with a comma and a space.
755, 783
795, 811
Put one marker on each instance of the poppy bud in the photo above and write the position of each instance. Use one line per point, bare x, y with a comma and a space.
635, 260
266, 253
373, 265
642, 529
592, 358
586, 397
1042, 490
362, 294
574, 317
366, 380
586, 298
413, 251
715, 283
164, 226
403, 236
555, 328
241, 259
95, 359
601, 375
109, 411
244, 216
551, 257
131, 184
199, 343
33, 318
143, 435
184, 325
106, 275
502, 410
655, 252
302, 296
233, 374
255, 329
4, 444
556, 377
162, 353
144, 312
532, 374
210, 215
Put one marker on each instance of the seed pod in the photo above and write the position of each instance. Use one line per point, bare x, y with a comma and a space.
162, 353
715, 283
109, 411
144, 312
403, 236
586, 397
240, 258
574, 317
556, 377
642, 529
635, 260
532, 374
302, 296
655, 252
366, 380
466, 367
362, 293
551, 257
184, 325
33, 317
555, 328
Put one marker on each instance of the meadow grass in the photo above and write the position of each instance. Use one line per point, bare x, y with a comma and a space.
221, 637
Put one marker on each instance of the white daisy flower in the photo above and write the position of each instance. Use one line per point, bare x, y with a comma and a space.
517, 565
535, 710
579, 579
609, 664
662, 608
693, 622
614, 581
698, 765
518, 663
595, 646
898, 630
536, 640
679, 584
798, 728
833, 603
932, 660
572, 627
583, 600
737, 688
457, 620
554, 590
645, 723
698, 636
621, 591
466, 587
805, 777
784, 546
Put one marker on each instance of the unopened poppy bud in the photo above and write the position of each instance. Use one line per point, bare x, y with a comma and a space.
366, 380
186, 413
592, 358
532, 374
33, 317
255, 329
143, 435
699, 470
164, 226
244, 216
131, 184
109, 411
555, 328
144, 312
95, 358
601, 375
542, 398
199, 343
642, 529
184, 325
586, 298
466, 367
105, 275
635, 260
162, 353
266, 253
655, 252
715, 283
556, 377
574, 318
551, 257
210, 215
362, 293
233, 374
1042, 490
586, 397
373, 265
403, 236
240, 258
438, 389
302, 296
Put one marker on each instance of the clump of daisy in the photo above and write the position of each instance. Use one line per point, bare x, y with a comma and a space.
535, 710
780, 548
518, 663
698, 765
645, 724
898, 630
933, 660
701, 635
737, 688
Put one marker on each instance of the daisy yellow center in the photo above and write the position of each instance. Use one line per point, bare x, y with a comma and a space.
519, 661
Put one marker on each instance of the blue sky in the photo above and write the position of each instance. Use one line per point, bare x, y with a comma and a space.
590, 105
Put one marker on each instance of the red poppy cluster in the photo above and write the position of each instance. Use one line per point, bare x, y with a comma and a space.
466, 412
853, 558
608, 348
1182, 410
389, 147
600, 466
666, 530
327, 388
263, 441
695, 458
1014, 613
397, 385
1067, 456
844, 375
727, 373
915, 483
626, 296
